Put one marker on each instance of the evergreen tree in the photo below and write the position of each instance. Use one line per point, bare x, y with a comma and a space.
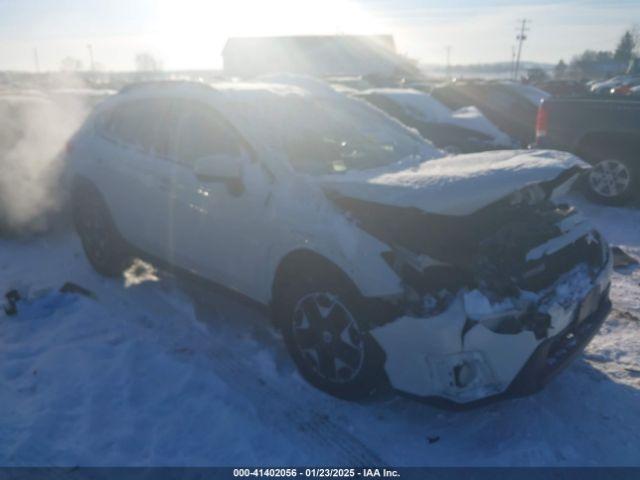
626, 46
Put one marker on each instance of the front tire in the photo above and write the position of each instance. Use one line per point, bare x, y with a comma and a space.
105, 249
322, 321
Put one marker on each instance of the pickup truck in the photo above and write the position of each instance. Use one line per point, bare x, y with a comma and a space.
603, 131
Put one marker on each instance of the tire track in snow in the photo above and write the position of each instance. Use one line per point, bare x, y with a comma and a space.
302, 419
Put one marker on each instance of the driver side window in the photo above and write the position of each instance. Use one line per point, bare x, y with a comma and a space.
201, 133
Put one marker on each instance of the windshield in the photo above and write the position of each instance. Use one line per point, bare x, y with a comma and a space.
338, 134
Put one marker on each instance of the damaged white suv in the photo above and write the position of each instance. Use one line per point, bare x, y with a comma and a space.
384, 263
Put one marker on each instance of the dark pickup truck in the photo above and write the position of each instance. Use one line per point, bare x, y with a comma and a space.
605, 132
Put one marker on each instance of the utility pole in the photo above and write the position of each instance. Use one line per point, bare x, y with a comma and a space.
448, 50
36, 60
521, 37
513, 62
92, 66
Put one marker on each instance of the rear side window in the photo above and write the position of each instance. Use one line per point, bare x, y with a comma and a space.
203, 132
139, 123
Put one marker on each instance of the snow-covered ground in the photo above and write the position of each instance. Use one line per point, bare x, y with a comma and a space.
166, 372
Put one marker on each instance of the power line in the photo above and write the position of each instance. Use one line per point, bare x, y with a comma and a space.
448, 50
36, 60
512, 63
92, 65
521, 37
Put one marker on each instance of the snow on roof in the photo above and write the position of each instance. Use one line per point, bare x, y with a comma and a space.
416, 103
423, 107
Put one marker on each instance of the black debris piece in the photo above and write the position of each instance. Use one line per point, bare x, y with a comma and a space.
71, 287
433, 439
11, 307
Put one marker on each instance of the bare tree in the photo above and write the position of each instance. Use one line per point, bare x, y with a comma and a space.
146, 62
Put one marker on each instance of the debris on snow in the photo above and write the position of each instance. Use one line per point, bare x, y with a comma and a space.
13, 297
70, 287
621, 258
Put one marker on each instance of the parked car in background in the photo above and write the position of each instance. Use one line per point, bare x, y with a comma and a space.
603, 131
619, 85
563, 88
456, 278
464, 130
511, 106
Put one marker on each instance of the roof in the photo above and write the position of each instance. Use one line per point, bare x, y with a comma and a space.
267, 113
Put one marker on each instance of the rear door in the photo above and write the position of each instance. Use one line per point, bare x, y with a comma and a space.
126, 162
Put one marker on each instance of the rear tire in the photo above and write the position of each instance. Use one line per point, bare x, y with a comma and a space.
321, 317
611, 181
103, 246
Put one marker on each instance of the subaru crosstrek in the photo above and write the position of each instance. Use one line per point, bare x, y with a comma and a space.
384, 262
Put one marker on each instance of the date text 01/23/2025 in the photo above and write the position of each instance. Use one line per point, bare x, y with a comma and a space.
317, 472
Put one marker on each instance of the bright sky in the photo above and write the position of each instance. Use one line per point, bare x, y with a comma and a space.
190, 34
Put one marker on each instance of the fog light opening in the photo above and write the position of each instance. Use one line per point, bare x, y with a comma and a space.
463, 374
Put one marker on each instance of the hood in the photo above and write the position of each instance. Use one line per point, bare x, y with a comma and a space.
458, 185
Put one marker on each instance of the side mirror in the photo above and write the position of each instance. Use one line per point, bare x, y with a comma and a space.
223, 168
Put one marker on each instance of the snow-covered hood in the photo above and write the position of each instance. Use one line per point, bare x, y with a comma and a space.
457, 185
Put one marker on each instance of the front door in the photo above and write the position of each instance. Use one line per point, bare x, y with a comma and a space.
217, 226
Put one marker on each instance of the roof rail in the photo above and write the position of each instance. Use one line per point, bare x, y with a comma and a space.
163, 83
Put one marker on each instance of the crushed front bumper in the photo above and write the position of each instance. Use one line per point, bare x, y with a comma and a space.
556, 353
550, 358
444, 361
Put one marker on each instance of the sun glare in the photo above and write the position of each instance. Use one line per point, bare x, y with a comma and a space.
191, 28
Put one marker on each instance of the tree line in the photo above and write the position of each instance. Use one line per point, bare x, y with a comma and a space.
603, 63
